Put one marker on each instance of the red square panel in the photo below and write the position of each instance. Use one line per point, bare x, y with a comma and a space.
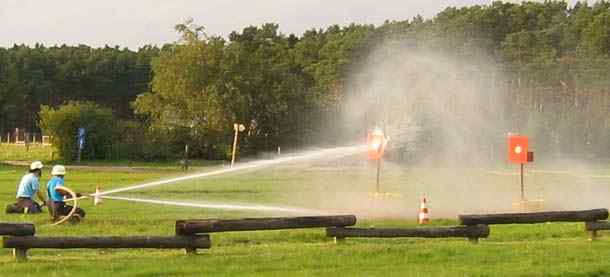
517, 149
376, 142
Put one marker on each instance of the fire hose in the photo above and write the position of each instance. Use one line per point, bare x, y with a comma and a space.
73, 199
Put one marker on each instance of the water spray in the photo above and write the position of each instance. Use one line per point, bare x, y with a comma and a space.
334, 152
313, 155
219, 206
97, 199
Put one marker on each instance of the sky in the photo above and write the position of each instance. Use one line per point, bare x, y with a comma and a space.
134, 23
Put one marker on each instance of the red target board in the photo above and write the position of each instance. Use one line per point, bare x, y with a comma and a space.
376, 144
517, 149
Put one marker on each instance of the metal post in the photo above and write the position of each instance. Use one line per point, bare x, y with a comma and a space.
522, 193
185, 166
378, 171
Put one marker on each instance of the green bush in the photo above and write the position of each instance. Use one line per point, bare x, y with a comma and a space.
110, 139
62, 124
134, 140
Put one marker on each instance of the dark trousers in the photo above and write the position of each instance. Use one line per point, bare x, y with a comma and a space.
57, 209
20, 206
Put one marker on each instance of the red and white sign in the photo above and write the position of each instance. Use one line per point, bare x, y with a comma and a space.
376, 142
517, 149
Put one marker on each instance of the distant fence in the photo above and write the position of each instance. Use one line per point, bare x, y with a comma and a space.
21, 137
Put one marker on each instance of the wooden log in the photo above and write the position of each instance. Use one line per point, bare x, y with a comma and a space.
17, 229
171, 242
538, 217
189, 227
473, 232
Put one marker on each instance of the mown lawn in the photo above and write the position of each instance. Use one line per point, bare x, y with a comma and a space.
19, 152
557, 249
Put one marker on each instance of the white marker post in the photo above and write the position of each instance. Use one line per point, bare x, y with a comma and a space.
237, 128
97, 199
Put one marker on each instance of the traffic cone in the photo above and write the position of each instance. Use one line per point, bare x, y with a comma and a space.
97, 199
423, 212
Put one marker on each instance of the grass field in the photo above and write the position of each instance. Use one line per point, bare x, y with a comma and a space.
18, 152
557, 249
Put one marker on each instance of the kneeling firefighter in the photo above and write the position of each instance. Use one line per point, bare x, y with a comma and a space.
56, 204
28, 187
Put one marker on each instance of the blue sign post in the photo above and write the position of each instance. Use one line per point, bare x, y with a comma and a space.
80, 141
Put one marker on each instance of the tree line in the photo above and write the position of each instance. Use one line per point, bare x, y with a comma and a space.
288, 89
39, 75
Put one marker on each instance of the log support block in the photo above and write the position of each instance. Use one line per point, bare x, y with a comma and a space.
594, 226
338, 240
20, 254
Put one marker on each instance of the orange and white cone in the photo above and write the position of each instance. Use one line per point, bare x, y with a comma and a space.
423, 212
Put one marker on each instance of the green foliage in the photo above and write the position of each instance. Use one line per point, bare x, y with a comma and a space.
62, 125
186, 104
288, 89
280, 87
39, 75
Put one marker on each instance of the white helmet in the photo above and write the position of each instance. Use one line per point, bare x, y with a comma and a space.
36, 165
58, 170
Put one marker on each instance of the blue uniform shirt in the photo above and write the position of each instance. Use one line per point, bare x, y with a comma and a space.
28, 186
51, 185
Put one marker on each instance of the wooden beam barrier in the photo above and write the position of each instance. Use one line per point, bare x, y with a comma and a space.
191, 227
473, 232
593, 226
17, 229
537, 217
22, 244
